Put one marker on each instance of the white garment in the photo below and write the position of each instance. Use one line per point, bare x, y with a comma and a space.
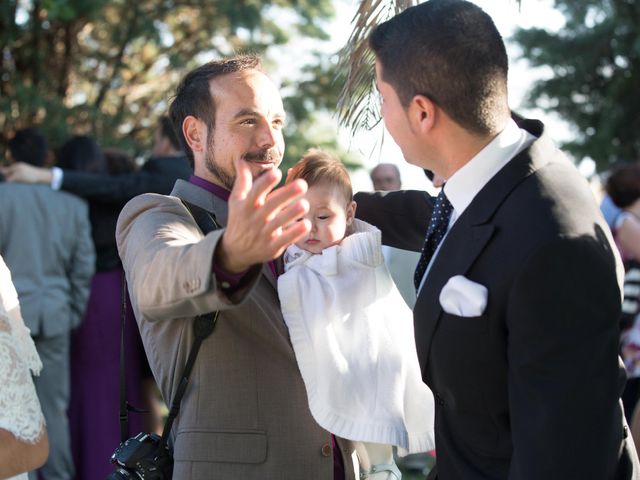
20, 411
353, 337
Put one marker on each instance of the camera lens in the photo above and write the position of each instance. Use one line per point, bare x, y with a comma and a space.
119, 474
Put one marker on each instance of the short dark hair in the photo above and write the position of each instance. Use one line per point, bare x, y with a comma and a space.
451, 52
193, 92
167, 131
81, 153
29, 146
119, 162
318, 167
623, 184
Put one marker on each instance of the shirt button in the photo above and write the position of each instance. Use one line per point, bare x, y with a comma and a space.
326, 450
225, 285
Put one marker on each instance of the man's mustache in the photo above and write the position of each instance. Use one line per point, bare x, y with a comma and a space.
265, 155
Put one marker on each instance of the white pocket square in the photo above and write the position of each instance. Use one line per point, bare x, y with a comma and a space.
460, 296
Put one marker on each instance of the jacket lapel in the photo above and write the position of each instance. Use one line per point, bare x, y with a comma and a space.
266, 272
461, 247
470, 235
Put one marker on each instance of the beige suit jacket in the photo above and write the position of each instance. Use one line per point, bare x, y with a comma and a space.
245, 413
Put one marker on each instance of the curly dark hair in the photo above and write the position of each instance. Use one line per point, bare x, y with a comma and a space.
623, 184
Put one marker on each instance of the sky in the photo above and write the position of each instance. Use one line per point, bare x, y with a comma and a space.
377, 146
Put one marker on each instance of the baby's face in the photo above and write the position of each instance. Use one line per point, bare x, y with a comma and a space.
329, 215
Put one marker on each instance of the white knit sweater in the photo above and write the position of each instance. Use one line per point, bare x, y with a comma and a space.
352, 334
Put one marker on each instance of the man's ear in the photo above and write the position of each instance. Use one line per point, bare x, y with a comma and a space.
195, 133
422, 113
351, 212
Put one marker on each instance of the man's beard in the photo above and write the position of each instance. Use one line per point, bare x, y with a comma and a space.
226, 178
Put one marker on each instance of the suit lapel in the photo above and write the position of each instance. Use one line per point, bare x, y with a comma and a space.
266, 272
461, 247
470, 235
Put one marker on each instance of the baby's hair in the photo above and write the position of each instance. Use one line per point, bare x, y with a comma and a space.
320, 167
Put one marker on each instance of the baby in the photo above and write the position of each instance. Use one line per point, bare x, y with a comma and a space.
351, 331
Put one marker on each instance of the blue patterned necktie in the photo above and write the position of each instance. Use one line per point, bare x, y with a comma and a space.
437, 228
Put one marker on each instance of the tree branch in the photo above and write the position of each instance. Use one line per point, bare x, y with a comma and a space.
35, 27
7, 29
63, 78
119, 56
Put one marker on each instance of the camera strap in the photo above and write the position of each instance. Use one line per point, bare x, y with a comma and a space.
203, 326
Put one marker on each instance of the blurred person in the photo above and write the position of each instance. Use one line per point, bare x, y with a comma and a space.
45, 239
386, 176
623, 188
519, 296
24, 444
245, 415
119, 162
610, 210
95, 345
608, 207
166, 164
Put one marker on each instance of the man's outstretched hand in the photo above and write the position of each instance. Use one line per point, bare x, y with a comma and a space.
25, 173
261, 223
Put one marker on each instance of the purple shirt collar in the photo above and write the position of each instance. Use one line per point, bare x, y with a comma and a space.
220, 192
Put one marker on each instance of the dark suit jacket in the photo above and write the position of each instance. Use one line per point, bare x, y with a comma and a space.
530, 389
107, 194
157, 175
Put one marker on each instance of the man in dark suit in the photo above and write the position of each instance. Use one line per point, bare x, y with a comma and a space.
516, 319
166, 164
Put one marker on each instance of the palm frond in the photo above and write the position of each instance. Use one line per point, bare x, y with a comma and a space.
358, 101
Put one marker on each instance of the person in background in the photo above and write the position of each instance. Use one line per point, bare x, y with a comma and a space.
119, 162
24, 444
45, 239
95, 345
166, 164
623, 189
401, 263
386, 176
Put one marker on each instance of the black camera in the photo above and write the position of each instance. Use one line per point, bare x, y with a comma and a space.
142, 457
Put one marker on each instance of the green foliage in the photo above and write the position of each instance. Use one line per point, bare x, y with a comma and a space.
595, 64
108, 68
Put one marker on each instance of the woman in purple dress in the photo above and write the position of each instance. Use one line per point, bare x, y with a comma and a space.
95, 345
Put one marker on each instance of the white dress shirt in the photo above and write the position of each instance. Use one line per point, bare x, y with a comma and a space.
465, 184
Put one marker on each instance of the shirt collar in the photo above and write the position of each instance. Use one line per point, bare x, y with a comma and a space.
465, 184
217, 190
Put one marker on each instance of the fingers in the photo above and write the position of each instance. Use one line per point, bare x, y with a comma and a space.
264, 184
244, 180
290, 235
289, 215
284, 196
253, 190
